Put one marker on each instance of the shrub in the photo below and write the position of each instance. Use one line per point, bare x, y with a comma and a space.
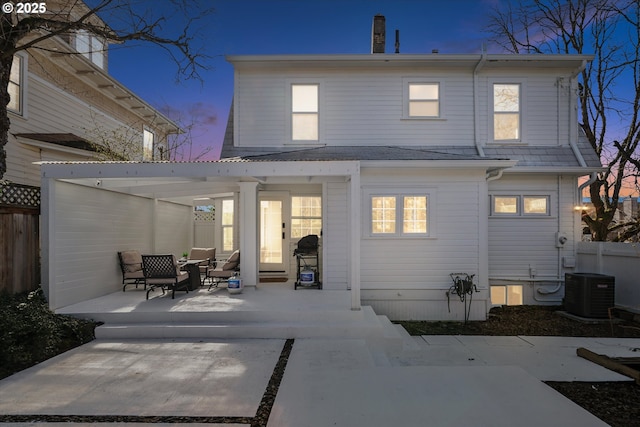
31, 333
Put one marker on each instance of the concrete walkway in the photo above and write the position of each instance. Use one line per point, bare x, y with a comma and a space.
432, 380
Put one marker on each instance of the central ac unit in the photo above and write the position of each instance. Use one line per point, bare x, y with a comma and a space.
589, 294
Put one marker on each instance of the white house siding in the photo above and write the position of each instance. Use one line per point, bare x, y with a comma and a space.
335, 232
545, 106
365, 107
52, 110
407, 278
89, 226
356, 108
520, 244
174, 228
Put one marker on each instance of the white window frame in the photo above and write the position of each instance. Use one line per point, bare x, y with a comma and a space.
521, 83
305, 217
406, 98
520, 205
148, 153
91, 47
430, 195
293, 113
225, 226
22, 86
289, 111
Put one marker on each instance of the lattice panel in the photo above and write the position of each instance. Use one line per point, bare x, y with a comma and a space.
18, 195
204, 216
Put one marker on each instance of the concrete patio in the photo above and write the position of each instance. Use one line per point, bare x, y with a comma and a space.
271, 310
211, 354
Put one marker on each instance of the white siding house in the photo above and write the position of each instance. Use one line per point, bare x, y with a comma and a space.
66, 105
425, 166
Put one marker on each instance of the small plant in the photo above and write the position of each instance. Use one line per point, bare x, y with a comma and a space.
31, 333
185, 254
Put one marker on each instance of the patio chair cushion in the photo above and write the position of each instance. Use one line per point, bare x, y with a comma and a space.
131, 261
208, 254
232, 262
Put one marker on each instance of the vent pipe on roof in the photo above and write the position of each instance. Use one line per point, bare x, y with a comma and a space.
397, 41
378, 34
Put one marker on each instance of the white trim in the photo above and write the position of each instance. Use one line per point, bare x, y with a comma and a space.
24, 86
407, 81
522, 83
289, 141
399, 192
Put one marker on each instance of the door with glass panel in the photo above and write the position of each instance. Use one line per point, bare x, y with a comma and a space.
274, 233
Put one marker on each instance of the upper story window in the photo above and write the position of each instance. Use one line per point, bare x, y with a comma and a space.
424, 100
16, 85
91, 47
148, 144
506, 112
305, 112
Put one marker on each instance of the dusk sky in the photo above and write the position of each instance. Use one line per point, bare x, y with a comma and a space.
247, 27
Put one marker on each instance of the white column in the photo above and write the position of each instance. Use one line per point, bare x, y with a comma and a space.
355, 226
249, 261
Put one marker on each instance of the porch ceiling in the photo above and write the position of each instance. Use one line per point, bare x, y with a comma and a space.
184, 182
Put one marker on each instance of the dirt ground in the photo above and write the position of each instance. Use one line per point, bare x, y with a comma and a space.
616, 403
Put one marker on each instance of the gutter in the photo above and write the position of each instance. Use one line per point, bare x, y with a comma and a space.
572, 139
476, 113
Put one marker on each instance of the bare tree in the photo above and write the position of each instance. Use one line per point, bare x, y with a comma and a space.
173, 27
608, 29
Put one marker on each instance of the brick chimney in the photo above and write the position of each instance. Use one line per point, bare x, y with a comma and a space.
378, 34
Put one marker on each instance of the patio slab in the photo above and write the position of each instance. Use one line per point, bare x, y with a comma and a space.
146, 378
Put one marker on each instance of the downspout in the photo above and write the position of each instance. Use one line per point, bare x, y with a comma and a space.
574, 138
476, 100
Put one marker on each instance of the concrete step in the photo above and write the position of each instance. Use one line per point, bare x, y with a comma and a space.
251, 324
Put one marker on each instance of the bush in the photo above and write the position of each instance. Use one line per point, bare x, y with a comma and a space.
31, 333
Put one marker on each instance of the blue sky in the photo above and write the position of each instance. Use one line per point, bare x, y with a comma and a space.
289, 27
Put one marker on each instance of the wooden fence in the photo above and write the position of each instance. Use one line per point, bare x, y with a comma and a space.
19, 237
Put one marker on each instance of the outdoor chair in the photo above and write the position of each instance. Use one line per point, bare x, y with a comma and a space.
223, 273
131, 266
206, 254
162, 271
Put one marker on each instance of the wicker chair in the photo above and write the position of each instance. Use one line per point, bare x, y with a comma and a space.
131, 266
162, 271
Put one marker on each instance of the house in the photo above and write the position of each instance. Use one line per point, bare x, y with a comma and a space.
65, 106
412, 168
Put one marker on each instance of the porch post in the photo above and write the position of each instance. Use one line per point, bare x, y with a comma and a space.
249, 233
355, 226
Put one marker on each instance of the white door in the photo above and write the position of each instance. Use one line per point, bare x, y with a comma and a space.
274, 233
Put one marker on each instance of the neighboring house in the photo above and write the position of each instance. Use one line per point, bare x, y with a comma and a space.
409, 167
65, 106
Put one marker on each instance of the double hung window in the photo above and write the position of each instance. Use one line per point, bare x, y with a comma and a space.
424, 100
305, 111
16, 85
306, 216
507, 112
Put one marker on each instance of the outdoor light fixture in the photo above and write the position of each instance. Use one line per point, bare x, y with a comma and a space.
581, 208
